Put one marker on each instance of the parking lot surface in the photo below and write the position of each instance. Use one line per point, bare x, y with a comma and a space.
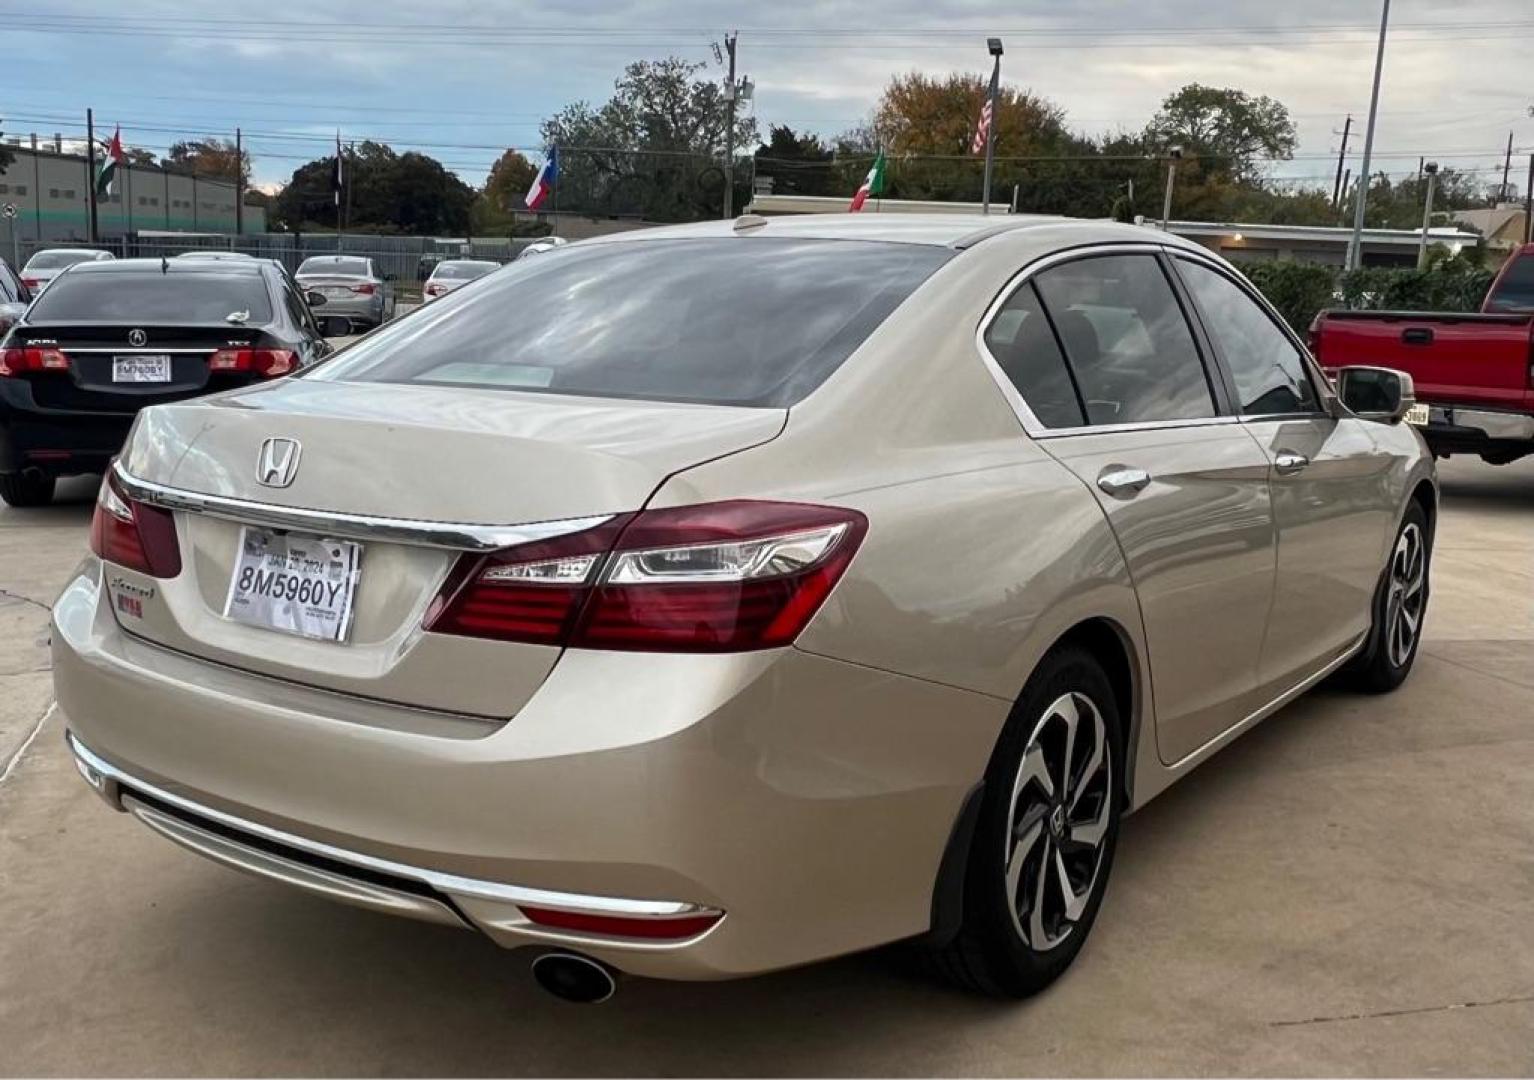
1349, 889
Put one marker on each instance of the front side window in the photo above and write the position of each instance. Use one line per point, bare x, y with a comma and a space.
1127, 340
1024, 347
1269, 370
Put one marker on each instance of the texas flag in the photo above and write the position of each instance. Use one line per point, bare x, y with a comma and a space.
543, 183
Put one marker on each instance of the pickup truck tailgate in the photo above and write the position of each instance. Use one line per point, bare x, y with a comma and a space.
1453, 359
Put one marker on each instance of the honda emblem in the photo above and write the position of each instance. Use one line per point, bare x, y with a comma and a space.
277, 463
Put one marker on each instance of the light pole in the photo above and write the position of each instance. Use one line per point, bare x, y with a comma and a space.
994, 45
1431, 168
1355, 245
1174, 155
729, 133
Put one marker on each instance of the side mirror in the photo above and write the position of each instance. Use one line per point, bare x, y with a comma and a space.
314, 299
1376, 393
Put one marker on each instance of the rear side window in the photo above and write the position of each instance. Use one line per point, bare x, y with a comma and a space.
1515, 290
1127, 340
757, 321
1023, 344
152, 296
1268, 368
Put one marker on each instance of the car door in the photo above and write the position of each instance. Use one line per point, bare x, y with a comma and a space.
1328, 479
1116, 387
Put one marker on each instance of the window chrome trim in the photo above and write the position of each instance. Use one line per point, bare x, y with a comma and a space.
454, 536
98, 771
134, 350
1025, 415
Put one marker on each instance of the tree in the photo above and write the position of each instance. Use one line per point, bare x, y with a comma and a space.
388, 192
137, 155
510, 177
655, 149
797, 164
211, 157
1229, 131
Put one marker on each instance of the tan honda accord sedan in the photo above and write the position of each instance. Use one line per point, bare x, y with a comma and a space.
709, 600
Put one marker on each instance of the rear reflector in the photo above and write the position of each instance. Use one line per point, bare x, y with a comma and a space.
667, 929
268, 363
19, 361
134, 535
720, 577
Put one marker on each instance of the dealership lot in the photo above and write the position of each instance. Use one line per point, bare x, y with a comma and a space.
1346, 890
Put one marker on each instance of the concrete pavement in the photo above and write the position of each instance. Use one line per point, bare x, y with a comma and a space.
1347, 890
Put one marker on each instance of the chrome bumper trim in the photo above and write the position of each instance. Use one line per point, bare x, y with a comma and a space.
440, 534
108, 780
1496, 425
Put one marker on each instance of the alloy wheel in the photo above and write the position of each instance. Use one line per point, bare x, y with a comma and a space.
1062, 801
1406, 596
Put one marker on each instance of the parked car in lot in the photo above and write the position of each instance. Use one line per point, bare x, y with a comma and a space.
14, 297
715, 599
107, 339
49, 263
215, 255
1474, 373
540, 246
353, 287
451, 274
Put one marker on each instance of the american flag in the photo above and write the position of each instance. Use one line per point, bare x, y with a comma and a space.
983, 128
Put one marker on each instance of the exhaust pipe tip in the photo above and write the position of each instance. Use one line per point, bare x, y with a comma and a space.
576, 978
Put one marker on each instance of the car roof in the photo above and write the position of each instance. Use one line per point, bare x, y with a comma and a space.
940, 230
225, 267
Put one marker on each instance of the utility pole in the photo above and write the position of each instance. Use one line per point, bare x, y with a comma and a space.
1173, 156
1347, 186
729, 132
90, 174
347, 183
1342, 156
239, 184
1504, 192
994, 46
1431, 169
1355, 245
1528, 206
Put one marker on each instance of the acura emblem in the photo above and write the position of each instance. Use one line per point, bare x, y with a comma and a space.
277, 463
137, 338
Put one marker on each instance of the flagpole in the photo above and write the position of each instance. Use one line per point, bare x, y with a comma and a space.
90, 169
554, 186
994, 44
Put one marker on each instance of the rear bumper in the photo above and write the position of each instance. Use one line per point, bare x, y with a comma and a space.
1455, 429
807, 799
56, 442
362, 308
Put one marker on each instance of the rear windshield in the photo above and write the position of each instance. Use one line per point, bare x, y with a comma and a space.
728, 321
1515, 292
54, 260
464, 271
151, 296
341, 267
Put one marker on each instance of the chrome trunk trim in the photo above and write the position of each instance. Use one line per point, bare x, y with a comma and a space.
454, 536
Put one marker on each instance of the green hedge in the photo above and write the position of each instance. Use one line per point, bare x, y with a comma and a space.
1299, 290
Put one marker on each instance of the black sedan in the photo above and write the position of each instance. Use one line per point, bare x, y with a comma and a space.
106, 339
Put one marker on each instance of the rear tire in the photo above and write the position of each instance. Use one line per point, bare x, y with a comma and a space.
26, 489
1400, 606
1046, 834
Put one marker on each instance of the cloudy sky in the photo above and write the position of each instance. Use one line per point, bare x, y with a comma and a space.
461, 79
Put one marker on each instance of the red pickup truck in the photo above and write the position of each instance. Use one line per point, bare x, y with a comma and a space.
1473, 372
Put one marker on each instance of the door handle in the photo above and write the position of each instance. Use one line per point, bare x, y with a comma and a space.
1287, 462
1122, 480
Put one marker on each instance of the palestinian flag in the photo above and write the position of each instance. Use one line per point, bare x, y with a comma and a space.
111, 159
873, 184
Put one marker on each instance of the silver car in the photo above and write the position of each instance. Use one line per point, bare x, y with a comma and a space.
353, 287
710, 600
49, 263
453, 274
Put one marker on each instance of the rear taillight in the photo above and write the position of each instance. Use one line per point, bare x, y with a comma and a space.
434, 290
19, 361
32, 282
367, 288
134, 535
268, 363
720, 577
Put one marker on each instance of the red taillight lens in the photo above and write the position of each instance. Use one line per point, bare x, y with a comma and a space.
134, 535
268, 363
16, 361
365, 289
433, 290
669, 928
32, 282
721, 577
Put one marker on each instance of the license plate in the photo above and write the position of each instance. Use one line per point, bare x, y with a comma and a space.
146, 367
336, 290
1418, 414
294, 583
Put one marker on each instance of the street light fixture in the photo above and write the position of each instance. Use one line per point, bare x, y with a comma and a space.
1173, 155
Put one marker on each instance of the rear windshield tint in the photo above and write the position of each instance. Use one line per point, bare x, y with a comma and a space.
728, 321
151, 296
341, 267
54, 260
1515, 292
464, 271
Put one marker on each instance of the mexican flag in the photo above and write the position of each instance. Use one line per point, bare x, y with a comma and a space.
109, 163
873, 184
